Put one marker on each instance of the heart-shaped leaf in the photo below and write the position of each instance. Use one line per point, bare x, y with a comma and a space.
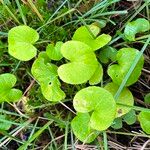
144, 118
88, 35
83, 63
7, 92
81, 128
134, 27
107, 53
20, 42
54, 52
46, 74
124, 98
125, 58
97, 76
98, 100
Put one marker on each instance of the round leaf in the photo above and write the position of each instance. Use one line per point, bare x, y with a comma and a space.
87, 34
83, 63
81, 128
54, 52
20, 42
98, 100
144, 118
124, 98
125, 58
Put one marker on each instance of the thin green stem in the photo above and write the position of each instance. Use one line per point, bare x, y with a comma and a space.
105, 140
137, 108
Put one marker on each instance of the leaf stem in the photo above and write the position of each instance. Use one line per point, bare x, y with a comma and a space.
137, 108
105, 140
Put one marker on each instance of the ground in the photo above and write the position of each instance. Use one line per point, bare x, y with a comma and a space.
36, 123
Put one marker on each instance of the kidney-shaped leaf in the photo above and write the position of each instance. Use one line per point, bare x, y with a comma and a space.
98, 100
134, 27
144, 118
125, 98
88, 35
82, 65
20, 42
125, 58
7, 92
54, 52
46, 74
81, 128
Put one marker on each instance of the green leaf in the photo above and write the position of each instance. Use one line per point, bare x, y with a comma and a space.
4, 125
134, 27
53, 91
54, 52
117, 123
130, 117
124, 98
97, 76
144, 118
82, 65
20, 42
46, 74
100, 102
147, 98
125, 58
81, 128
84, 34
7, 92
43, 71
107, 53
